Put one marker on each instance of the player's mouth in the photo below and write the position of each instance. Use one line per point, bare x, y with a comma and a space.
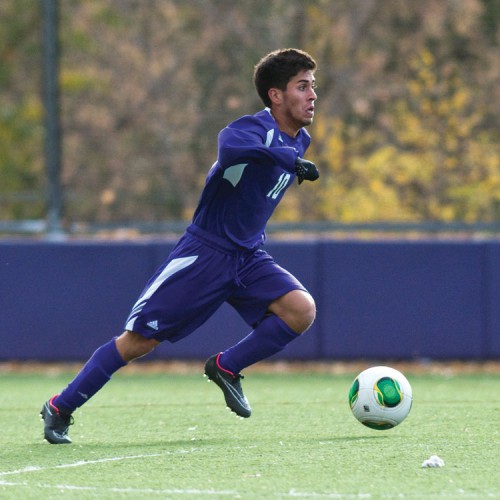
310, 112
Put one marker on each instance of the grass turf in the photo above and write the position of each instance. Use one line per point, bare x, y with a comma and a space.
169, 436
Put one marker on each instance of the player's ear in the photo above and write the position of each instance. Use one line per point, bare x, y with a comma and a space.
275, 95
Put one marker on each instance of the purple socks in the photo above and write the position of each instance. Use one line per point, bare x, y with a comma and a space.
96, 372
271, 336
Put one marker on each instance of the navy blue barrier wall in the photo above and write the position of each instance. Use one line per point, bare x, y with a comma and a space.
378, 300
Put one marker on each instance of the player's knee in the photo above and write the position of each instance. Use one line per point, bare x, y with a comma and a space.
306, 313
131, 345
297, 309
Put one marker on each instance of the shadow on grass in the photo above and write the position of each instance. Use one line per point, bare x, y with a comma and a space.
129, 447
342, 439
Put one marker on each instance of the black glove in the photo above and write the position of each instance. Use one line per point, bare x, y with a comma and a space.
305, 170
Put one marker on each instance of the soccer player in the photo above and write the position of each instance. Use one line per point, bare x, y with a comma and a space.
219, 257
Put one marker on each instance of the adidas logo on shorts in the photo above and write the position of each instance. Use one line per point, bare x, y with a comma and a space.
153, 324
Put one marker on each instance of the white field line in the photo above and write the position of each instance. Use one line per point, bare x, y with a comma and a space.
80, 463
291, 494
233, 493
191, 491
172, 491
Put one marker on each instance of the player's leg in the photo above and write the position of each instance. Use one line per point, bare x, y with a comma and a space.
280, 308
96, 372
138, 339
131, 345
296, 309
187, 289
290, 315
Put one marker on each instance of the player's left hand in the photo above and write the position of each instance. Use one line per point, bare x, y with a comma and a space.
305, 170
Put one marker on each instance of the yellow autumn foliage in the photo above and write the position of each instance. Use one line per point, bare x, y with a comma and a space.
427, 159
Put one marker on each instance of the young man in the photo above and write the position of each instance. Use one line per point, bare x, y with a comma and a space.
219, 259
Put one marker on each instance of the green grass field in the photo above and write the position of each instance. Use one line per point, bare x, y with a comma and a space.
170, 436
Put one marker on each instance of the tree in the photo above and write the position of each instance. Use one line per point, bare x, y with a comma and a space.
21, 165
406, 127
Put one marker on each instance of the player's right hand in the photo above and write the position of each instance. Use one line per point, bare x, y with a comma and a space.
305, 170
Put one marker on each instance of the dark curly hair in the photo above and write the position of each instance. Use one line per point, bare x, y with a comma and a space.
277, 68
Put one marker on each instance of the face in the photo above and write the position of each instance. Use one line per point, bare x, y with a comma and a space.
294, 107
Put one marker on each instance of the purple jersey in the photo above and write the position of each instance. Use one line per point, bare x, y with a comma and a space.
218, 258
255, 166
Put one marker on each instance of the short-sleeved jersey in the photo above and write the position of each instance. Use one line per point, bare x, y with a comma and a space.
254, 167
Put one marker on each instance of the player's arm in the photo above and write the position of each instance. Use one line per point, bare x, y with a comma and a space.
245, 144
248, 145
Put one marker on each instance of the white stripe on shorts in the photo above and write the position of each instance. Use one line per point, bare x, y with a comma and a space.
172, 267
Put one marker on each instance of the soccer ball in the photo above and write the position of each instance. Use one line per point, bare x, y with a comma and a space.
380, 397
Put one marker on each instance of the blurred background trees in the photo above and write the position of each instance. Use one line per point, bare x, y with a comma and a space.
406, 128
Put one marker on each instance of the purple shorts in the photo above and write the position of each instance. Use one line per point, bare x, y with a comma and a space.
202, 272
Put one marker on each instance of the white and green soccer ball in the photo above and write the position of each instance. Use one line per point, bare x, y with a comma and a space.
380, 397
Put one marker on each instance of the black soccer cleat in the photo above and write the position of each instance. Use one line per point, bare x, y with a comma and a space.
230, 385
56, 423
